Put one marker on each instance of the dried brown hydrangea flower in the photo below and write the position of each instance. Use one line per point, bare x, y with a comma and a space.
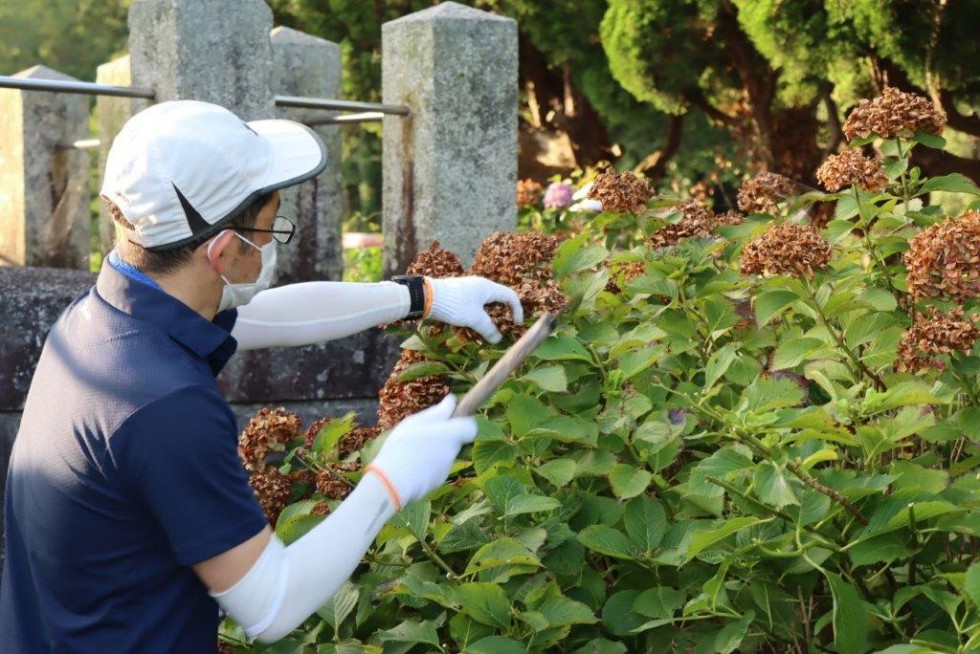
821, 213
349, 443
851, 168
320, 509
537, 298
356, 439
436, 262
523, 262
698, 222
332, 483
621, 192
273, 490
702, 192
510, 258
763, 192
399, 400
269, 430
934, 335
944, 260
892, 114
623, 272
528, 193
786, 249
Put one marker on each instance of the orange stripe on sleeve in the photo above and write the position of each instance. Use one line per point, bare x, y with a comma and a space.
390, 487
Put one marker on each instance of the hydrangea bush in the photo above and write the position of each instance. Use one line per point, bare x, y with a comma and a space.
754, 432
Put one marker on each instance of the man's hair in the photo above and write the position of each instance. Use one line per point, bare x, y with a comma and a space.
167, 261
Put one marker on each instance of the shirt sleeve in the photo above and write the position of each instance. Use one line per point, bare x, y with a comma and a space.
314, 312
181, 456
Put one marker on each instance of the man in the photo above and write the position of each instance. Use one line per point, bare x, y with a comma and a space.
129, 518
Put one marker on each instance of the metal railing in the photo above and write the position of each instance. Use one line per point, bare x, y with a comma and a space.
366, 111
84, 88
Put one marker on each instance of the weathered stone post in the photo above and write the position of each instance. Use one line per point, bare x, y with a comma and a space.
112, 113
44, 180
450, 170
210, 50
308, 66
219, 51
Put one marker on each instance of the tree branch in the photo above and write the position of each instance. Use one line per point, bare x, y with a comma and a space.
655, 163
695, 98
961, 122
757, 77
833, 121
939, 162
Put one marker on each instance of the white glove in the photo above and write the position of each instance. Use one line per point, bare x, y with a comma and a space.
419, 452
459, 301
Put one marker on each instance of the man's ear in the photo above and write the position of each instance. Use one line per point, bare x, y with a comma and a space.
214, 249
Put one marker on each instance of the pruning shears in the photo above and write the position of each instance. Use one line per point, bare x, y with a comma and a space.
512, 359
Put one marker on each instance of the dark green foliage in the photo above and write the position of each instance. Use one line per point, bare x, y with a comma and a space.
698, 460
933, 38
70, 36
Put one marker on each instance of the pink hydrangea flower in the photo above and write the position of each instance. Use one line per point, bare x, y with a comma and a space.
558, 195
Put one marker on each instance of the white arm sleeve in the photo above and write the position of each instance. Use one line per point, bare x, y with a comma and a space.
287, 584
313, 312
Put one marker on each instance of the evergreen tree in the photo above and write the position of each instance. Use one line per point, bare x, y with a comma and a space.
71, 36
780, 75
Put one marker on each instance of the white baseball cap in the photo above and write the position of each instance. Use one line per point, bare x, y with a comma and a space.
179, 170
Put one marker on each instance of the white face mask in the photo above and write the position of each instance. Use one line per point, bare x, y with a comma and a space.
237, 295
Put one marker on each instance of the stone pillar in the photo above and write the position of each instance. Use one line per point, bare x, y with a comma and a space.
210, 50
112, 113
451, 169
44, 181
308, 66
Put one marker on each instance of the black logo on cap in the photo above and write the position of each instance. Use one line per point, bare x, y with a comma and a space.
195, 221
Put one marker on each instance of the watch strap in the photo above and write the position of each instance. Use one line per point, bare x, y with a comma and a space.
416, 293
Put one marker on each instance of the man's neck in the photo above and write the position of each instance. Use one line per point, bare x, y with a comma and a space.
185, 285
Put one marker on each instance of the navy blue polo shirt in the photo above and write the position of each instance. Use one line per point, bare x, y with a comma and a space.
125, 472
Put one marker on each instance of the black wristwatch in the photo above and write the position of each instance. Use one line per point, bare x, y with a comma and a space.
416, 291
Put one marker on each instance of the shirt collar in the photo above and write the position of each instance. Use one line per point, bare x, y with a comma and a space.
132, 292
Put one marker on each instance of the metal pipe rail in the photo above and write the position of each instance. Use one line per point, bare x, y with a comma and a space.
367, 109
340, 105
363, 117
84, 88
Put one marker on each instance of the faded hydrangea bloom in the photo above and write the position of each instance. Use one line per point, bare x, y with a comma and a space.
851, 168
510, 258
702, 192
349, 443
436, 262
762, 193
331, 482
698, 222
934, 335
558, 195
523, 262
621, 273
273, 491
786, 249
269, 430
537, 297
944, 260
528, 193
892, 114
398, 399
621, 192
